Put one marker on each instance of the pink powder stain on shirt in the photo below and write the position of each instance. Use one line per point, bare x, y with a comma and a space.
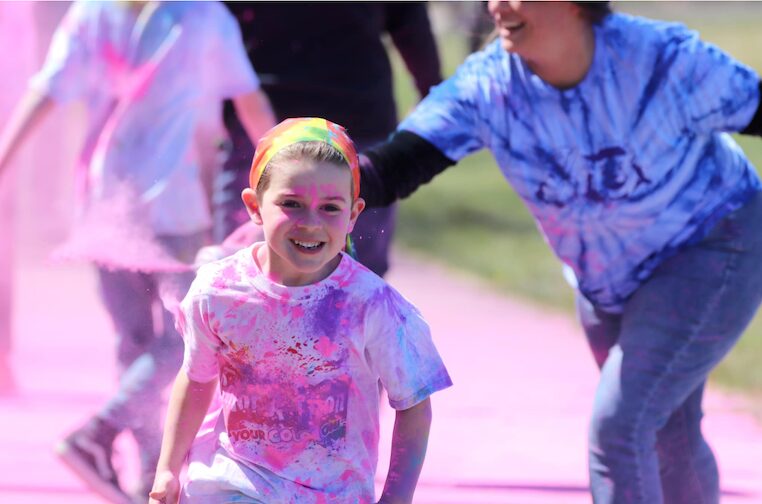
346, 475
233, 311
297, 312
295, 350
275, 458
370, 440
326, 347
347, 274
249, 326
271, 305
230, 273
279, 459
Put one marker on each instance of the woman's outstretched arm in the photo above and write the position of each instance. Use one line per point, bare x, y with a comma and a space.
396, 168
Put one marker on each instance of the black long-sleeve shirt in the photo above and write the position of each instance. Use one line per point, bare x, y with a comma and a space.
328, 59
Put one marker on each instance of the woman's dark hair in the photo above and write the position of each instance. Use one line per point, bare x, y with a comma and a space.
595, 12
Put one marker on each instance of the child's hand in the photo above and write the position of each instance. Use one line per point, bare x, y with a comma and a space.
166, 489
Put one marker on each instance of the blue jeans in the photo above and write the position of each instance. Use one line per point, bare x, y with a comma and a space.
149, 348
372, 235
645, 443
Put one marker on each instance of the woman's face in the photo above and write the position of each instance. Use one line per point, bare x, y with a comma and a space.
533, 29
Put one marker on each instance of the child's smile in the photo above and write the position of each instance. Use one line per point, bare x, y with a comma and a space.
308, 246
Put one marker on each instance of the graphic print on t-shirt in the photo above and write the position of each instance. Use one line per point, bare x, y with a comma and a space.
277, 412
285, 417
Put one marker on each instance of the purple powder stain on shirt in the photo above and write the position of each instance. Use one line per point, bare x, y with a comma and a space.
328, 314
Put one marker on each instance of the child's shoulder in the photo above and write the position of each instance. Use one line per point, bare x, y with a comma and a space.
377, 294
224, 272
354, 276
637, 34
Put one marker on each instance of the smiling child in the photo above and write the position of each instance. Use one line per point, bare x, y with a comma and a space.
298, 334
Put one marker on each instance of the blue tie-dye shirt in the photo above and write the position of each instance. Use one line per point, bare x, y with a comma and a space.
624, 168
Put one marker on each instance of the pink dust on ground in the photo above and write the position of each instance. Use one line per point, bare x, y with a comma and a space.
511, 430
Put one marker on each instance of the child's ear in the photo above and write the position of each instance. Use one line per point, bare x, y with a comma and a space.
249, 198
357, 207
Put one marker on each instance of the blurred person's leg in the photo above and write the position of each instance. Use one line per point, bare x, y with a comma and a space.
149, 356
674, 440
159, 365
128, 297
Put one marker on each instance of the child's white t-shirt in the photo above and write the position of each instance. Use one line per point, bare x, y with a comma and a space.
299, 370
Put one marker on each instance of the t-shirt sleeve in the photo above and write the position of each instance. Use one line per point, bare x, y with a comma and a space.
194, 322
64, 75
228, 67
715, 92
401, 352
451, 116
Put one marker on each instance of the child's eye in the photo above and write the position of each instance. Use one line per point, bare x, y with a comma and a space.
332, 208
289, 204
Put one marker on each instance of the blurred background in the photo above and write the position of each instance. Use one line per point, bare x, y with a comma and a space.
469, 220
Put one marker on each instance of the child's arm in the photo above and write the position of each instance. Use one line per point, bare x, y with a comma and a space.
188, 405
29, 112
409, 441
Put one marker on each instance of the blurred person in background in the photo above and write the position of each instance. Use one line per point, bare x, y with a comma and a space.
145, 71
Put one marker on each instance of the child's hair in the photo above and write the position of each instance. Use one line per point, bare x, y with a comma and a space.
316, 151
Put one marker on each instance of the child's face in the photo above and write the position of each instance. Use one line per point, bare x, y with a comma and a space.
306, 213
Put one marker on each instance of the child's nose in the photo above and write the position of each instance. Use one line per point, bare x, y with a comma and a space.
310, 219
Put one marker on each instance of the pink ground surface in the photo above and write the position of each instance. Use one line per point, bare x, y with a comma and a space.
511, 430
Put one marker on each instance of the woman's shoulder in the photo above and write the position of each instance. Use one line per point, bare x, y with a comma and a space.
638, 34
481, 70
489, 57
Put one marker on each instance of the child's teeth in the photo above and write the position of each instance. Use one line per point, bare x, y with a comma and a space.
307, 244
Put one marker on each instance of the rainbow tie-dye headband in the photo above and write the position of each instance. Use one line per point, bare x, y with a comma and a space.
304, 129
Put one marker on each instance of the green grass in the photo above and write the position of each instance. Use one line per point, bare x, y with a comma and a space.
471, 220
